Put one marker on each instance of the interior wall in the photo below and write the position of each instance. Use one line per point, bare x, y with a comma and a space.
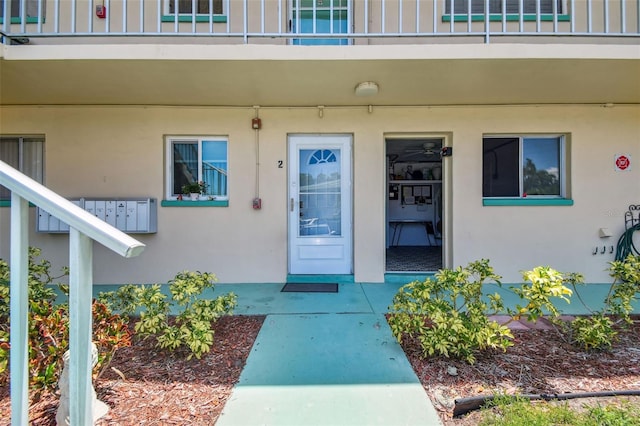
119, 151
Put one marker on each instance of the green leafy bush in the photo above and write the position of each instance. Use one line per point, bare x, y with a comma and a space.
625, 287
593, 333
191, 326
449, 316
598, 331
48, 326
542, 283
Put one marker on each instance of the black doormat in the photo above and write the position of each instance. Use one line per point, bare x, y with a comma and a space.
310, 288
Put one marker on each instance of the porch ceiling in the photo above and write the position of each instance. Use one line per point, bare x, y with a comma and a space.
311, 80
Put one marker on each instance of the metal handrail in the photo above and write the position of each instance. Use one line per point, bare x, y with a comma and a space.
273, 20
84, 228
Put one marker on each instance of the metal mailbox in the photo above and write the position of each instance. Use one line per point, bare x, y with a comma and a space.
130, 215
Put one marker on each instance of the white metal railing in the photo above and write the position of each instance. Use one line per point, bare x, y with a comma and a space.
282, 21
84, 227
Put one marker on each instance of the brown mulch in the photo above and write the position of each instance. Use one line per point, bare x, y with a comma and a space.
144, 385
147, 386
539, 362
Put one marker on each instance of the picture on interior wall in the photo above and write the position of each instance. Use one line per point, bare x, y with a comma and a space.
393, 192
423, 194
407, 194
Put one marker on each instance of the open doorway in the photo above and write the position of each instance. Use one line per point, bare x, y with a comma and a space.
414, 204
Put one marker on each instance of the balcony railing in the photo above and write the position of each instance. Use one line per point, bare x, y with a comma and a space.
318, 21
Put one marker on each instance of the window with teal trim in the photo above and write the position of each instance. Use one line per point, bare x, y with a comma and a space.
197, 159
24, 153
320, 17
205, 10
203, 7
502, 6
531, 166
31, 9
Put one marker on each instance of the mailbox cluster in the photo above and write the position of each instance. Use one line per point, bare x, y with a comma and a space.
135, 216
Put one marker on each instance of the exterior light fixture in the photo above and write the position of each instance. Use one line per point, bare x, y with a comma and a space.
367, 88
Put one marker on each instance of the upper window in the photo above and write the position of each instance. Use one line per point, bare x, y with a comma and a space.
320, 17
495, 6
197, 159
30, 9
523, 166
203, 7
25, 154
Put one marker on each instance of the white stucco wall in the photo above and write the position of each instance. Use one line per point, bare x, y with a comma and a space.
119, 151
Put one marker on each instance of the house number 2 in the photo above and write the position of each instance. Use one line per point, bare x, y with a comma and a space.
280, 162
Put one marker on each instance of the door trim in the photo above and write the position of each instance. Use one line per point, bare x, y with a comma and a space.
334, 265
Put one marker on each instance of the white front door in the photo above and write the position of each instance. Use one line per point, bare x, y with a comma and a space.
320, 240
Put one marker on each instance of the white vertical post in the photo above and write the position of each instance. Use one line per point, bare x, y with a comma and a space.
80, 289
90, 17
19, 307
245, 22
6, 8
487, 21
400, 12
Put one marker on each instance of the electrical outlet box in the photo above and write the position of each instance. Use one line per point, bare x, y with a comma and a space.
257, 203
604, 233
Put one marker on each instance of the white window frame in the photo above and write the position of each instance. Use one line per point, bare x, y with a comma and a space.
39, 168
167, 9
562, 166
447, 4
169, 162
34, 10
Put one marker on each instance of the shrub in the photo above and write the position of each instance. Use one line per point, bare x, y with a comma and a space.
449, 317
48, 326
593, 333
598, 332
542, 283
191, 327
625, 287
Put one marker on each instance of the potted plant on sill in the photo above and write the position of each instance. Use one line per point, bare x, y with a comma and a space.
194, 189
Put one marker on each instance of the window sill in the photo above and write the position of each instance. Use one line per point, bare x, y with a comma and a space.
527, 202
7, 203
510, 17
198, 203
199, 18
18, 20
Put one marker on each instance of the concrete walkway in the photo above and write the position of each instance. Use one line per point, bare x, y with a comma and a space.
324, 359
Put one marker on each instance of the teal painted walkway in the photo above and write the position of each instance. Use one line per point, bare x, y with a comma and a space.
327, 369
324, 359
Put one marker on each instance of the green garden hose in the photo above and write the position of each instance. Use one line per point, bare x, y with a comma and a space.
625, 243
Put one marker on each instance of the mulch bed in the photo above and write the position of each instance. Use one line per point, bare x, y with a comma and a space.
540, 362
147, 386
144, 385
